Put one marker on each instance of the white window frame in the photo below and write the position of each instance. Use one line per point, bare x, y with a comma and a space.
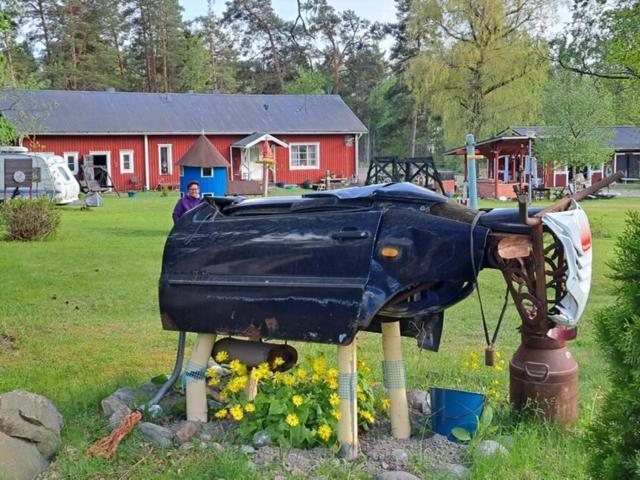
169, 148
75, 168
207, 176
122, 154
305, 167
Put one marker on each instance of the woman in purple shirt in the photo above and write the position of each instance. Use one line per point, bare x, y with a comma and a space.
189, 201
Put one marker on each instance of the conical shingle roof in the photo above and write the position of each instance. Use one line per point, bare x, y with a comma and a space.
203, 153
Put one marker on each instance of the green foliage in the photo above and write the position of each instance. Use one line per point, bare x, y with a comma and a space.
614, 437
298, 409
164, 191
480, 67
306, 82
27, 220
576, 109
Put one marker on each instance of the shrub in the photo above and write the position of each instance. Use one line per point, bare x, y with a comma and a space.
614, 436
30, 219
164, 191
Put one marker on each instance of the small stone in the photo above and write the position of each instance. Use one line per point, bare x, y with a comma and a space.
161, 436
113, 404
205, 437
400, 455
384, 465
217, 447
71, 451
118, 416
261, 439
185, 431
126, 395
486, 448
186, 446
419, 400
248, 449
396, 475
453, 471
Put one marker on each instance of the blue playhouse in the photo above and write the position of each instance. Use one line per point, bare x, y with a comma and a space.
206, 165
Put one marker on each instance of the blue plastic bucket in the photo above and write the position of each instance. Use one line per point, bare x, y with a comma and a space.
455, 408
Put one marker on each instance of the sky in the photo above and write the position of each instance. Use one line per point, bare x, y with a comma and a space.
374, 10
381, 11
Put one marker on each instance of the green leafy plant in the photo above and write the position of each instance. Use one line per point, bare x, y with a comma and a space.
614, 436
164, 191
298, 409
484, 427
27, 220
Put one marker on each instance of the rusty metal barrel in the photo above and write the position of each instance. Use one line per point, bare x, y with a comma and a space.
544, 376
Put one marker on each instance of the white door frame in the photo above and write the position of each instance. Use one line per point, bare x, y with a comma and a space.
108, 154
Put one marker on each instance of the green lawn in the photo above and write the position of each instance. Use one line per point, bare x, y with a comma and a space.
81, 311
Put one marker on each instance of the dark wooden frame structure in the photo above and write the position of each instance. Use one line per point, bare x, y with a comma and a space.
394, 169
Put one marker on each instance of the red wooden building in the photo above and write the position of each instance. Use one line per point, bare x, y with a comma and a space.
513, 149
139, 137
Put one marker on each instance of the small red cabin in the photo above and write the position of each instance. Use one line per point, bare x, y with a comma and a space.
509, 160
139, 137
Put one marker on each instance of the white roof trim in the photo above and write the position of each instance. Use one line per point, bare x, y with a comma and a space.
261, 138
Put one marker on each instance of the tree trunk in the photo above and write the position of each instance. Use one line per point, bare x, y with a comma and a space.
45, 33
414, 130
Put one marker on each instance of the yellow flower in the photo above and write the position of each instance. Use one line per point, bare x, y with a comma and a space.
297, 400
277, 362
221, 413
362, 397
288, 379
221, 356
302, 374
333, 384
211, 372
368, 416
336, 414
261, 372
319, 365
363, 366
249, 408
236, 384
236, 412
224, 396
334, 399
315, 377
214, 381
332, 373
496, 382
237, 367
386, 403
324, 432
498, 355
293, 420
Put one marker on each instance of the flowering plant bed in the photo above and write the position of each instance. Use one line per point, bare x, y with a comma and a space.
295, 409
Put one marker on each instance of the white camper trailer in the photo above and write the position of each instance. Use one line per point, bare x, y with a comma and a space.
31, 175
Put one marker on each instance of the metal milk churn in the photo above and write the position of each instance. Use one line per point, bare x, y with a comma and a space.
544, 375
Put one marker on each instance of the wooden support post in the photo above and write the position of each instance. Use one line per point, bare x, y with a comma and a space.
251, 390
395, 380
196, 381
347, 381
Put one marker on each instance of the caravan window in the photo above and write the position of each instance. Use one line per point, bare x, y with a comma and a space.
64, 174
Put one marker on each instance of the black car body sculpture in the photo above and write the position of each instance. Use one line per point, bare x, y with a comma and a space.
321, 267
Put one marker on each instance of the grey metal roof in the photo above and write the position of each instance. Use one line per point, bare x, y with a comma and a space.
625, 137
80, 112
